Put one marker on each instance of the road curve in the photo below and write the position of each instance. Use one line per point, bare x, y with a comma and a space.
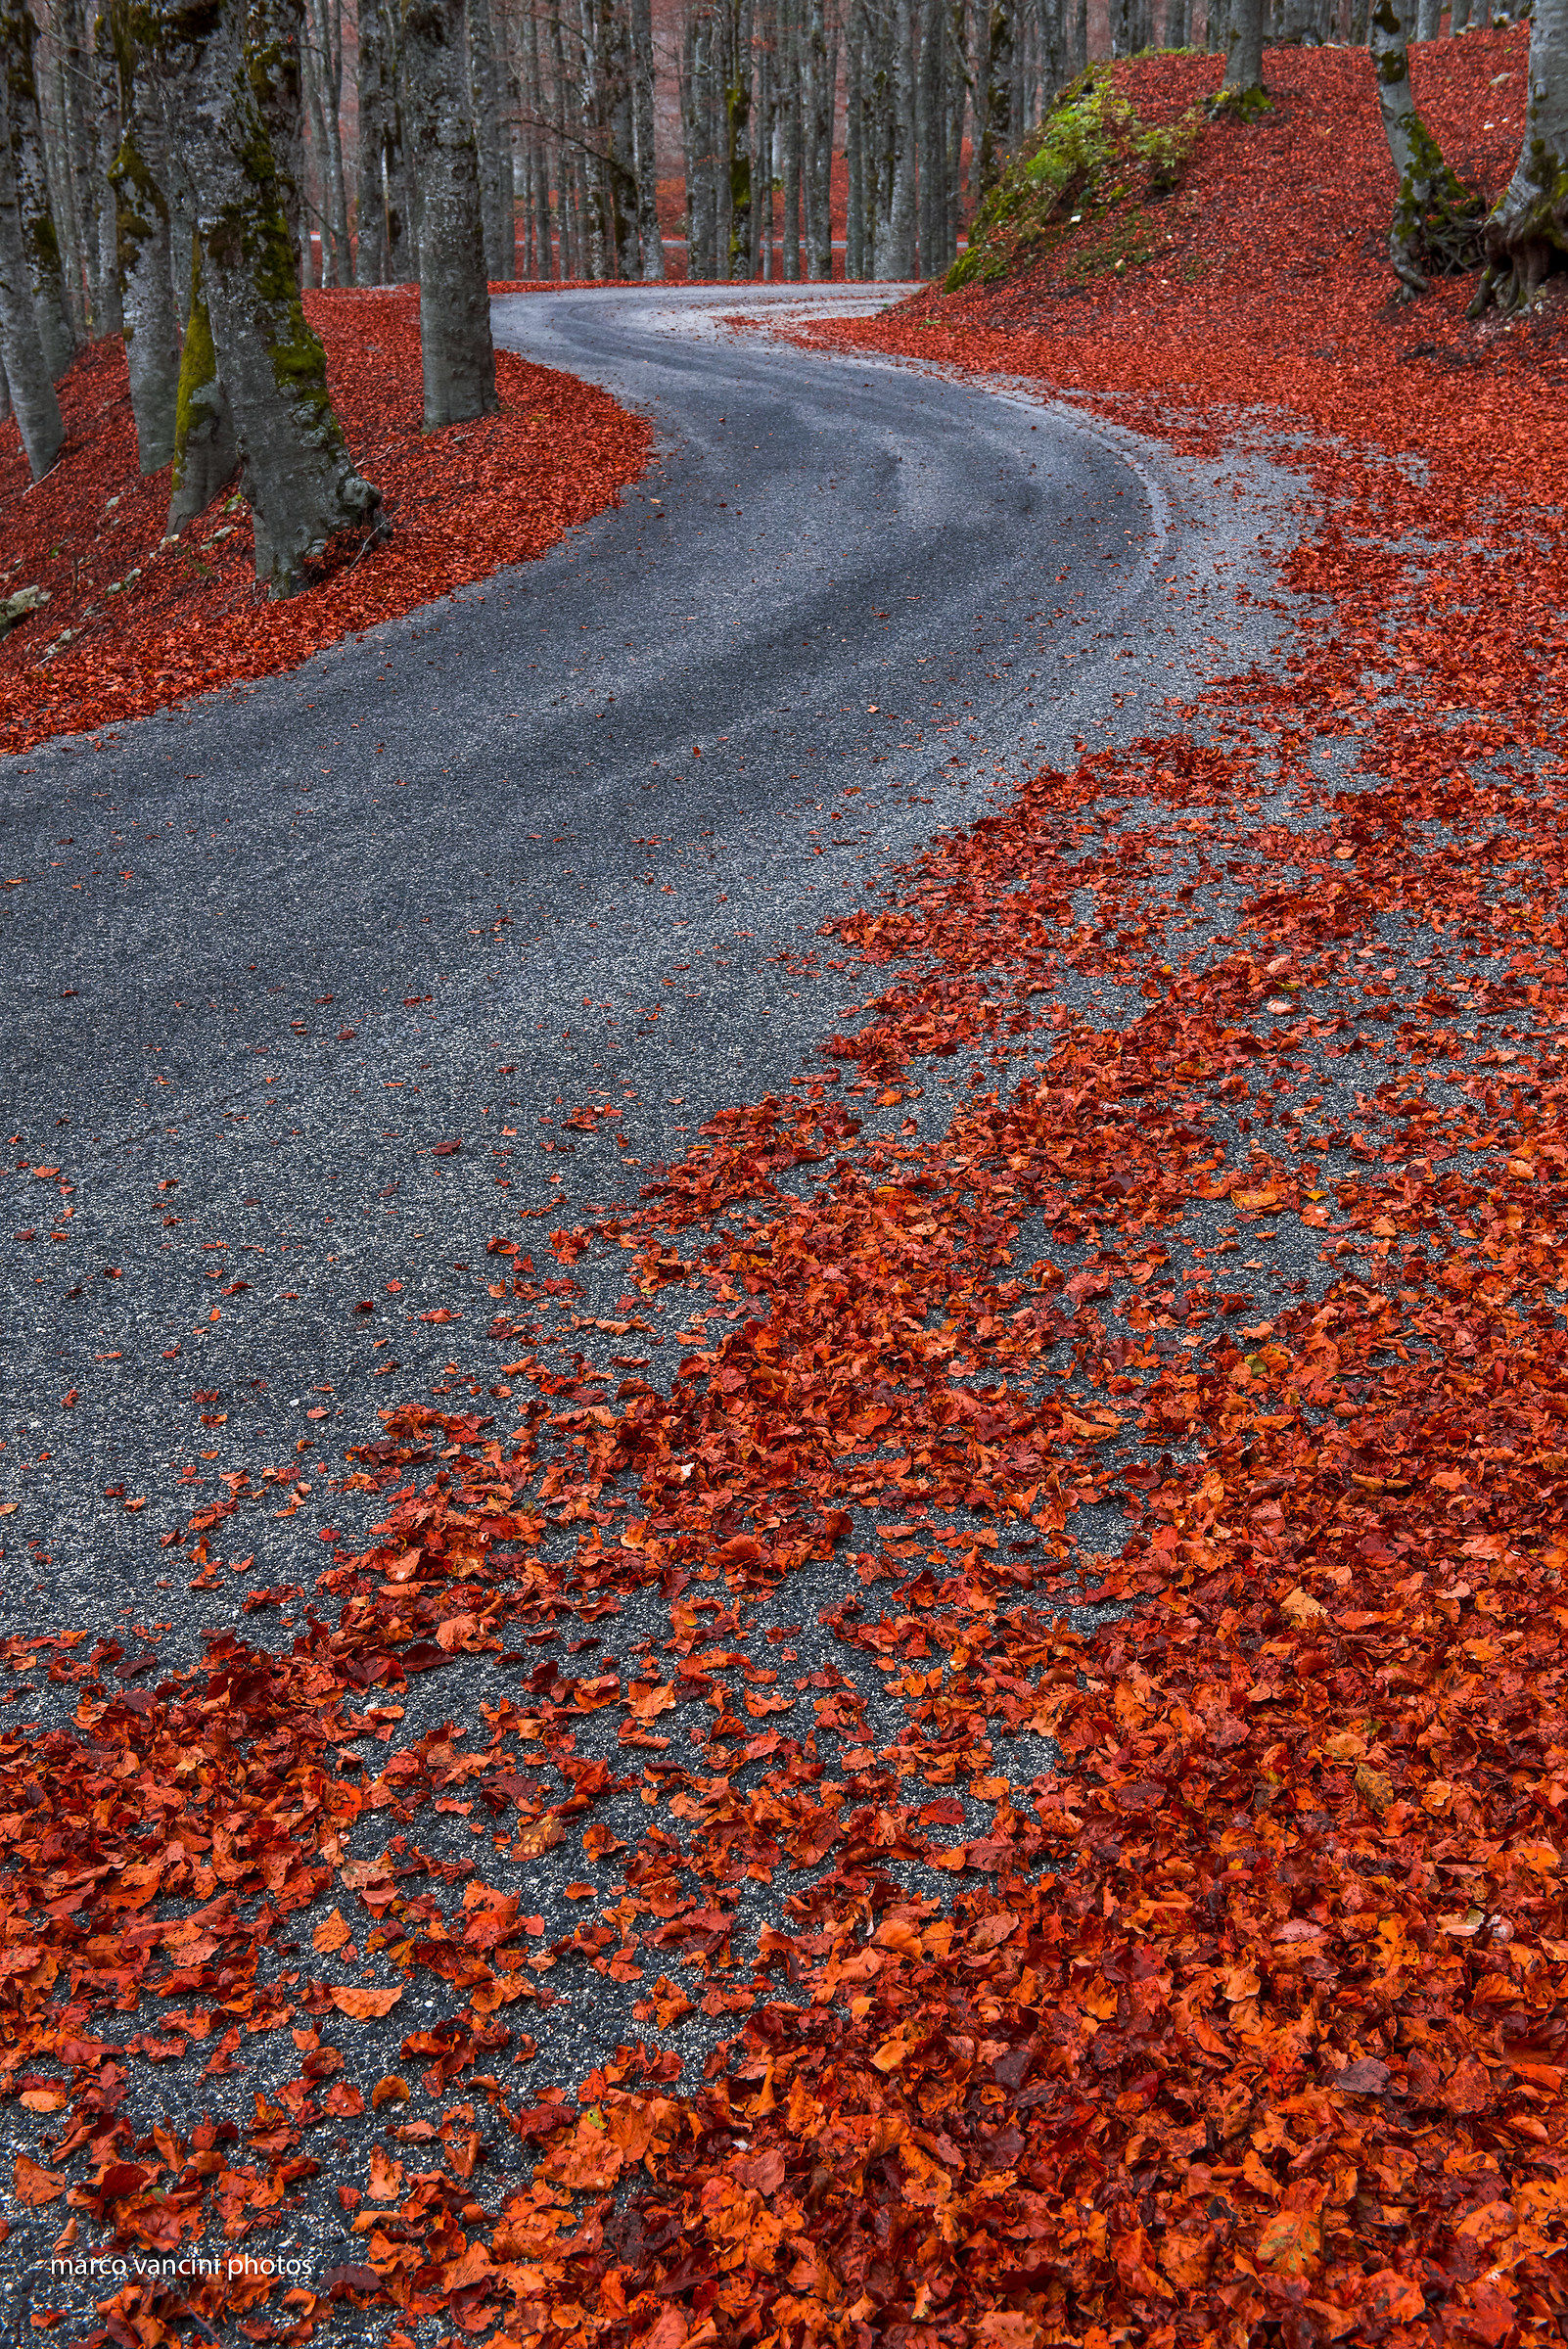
270, 949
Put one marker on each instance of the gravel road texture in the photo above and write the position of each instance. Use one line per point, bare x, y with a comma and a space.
306, 982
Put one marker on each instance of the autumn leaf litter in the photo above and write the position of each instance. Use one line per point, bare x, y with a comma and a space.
1200, 1971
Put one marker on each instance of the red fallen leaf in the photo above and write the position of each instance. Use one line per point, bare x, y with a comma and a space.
342, 2283
445, 1149
362, 2004
366, 1305
441, 1312
1365, 2077
33, 2185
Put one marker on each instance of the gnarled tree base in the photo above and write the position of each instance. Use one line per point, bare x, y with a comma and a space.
1521, 253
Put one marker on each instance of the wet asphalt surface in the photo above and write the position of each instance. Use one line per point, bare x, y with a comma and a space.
267, 952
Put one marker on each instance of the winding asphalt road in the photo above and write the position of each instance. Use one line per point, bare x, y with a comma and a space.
265, 951
264, 954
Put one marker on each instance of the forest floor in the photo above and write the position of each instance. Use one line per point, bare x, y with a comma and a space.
1176, 1948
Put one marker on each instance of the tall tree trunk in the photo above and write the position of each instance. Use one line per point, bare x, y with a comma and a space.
763, 195
933, 140
790, 136
138, 176
590, 133
566, 185
374, 91
206, 451
738, 128
1244, 51
299, 478
650, 241
896, 260
29, 375
495, 195
76, 87
1527, 234
105, 134
40, 239
958, 92
718, 135
701, 223
57, 164
854, 236
1436, 222
621, 175
817, 109
326, 82
401, 185
455, 302
275, 51
996, 137
1428, 20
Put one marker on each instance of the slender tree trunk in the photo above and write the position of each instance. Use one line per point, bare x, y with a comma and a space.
206, 451
58, 164
996, 137
1428, 20
326, 84
39, 236
650, 243
566, 185
1436, 222
742, 177
78, 77
895, 257
1527, 234
818, 109
959, 95
718, 134
1244, 51
855, 242
298, 477
762, 197
790, 137
590, 133
138, 176
106, 138
621, 177
455, 302
29, 375
501, 259
534, 88
933, 140
397, 171
374, 91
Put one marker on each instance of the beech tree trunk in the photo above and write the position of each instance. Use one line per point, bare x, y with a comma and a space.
895, 255
373, 83
325, 84
299, 478
206, 453
138, 176
105, 133
29, 374
39, 236
1244, 49
1527, 234
455, 302
996, 135
650, 243
818, 111
1436, 222
274, 42
495, 194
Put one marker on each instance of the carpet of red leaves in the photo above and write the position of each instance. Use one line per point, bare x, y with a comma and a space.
1248, 2023
150, 624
